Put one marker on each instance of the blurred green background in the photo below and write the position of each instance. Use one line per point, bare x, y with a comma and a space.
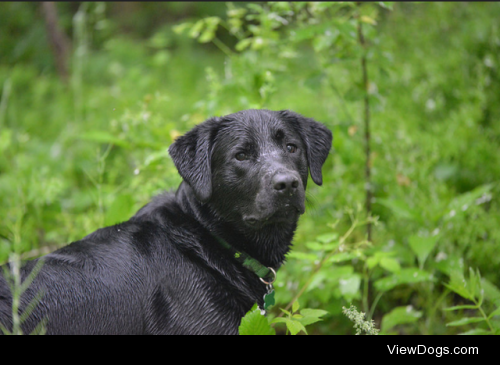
86, 150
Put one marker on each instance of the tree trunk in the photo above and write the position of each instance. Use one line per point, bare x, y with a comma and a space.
59, 42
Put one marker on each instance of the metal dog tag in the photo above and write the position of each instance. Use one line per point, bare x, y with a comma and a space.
269, 300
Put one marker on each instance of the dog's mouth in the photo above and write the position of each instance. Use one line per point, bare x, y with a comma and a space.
288, 214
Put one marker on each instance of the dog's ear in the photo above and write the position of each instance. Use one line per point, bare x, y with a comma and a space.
192, 155
317, 139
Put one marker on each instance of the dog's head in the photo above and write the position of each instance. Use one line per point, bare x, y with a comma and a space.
251, 167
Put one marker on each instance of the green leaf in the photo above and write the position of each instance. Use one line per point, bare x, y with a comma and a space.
302, 256
371, 262
476, 332
317, 313
449, 265
295, 306
306, 321
243, 44
311, 316
405, 276
458, 307
400, 315
180, 28
195, 30
327, 238
464, 321
120, 210
368, 20
316, 246
286, 312
390, 264
459, 204
325, 40
295, 327
458, 285
255, 324
496, 312
491, 292
236, 13
343, 256
374, 260
279, 320
462, 291
210, 29
349, 287
422, 247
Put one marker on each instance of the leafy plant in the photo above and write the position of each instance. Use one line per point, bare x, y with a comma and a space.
18, 288
434, 156
255, 322
360, 324
296, 320
329, 248
472, 290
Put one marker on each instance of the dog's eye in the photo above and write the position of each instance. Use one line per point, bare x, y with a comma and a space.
291, 148
241, 156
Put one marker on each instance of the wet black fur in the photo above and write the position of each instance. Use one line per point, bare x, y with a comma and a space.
163, 272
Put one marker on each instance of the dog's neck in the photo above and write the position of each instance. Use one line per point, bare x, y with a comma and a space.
268, 245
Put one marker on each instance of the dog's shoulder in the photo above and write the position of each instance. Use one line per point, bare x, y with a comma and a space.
168, 213
146, 234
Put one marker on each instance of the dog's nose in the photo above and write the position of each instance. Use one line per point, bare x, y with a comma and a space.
285, 183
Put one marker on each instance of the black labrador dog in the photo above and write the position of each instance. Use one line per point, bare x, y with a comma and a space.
175, 267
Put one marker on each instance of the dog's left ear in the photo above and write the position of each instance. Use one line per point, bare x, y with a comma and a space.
317, 139
192, 155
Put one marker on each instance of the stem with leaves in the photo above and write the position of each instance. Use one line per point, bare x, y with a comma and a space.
355, 222
368, 185
18, 287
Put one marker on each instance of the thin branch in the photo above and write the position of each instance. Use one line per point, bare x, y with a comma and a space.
355, 223
368, 183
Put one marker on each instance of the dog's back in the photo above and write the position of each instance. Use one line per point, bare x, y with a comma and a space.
95, 285
137, 277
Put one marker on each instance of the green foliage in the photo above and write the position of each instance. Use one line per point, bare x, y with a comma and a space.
296, 320
18, 288
400, 316
472, 290
255, 324
74, 158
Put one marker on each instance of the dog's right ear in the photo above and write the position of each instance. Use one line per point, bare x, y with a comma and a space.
192, 155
